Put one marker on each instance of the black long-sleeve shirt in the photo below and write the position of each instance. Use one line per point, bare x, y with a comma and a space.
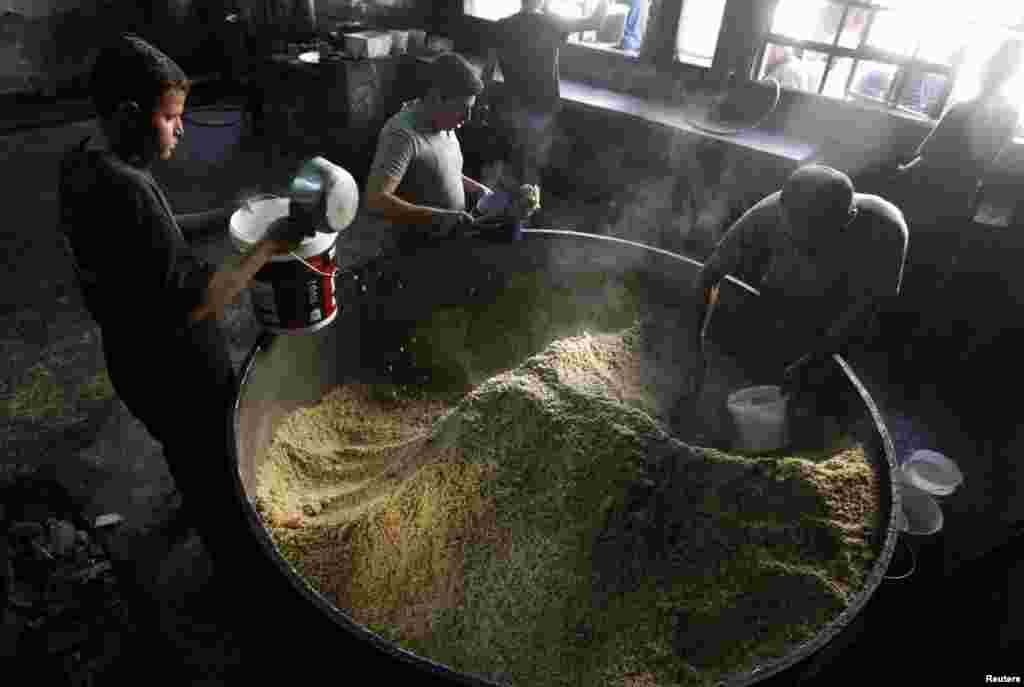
135, 267
140, 281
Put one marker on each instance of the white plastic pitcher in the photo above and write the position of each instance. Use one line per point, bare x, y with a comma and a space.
760, 416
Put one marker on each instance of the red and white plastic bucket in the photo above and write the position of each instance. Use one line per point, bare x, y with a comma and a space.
293, 293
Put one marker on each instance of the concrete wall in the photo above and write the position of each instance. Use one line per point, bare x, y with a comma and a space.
58, 38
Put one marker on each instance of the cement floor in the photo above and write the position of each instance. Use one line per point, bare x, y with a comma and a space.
57, 410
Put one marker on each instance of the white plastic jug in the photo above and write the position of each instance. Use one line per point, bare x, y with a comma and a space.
334, 212
760, 416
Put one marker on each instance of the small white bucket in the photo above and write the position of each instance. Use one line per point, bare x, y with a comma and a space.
294, 293
922, 515
932, 472
760, 416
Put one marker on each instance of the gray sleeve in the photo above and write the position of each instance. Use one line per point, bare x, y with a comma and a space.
170, 268
889, 242
395, 151
883, 245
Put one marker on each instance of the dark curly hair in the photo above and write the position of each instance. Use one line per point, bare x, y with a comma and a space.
130, 69
453, 76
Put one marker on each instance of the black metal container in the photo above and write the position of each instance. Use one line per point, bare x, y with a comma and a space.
286, 373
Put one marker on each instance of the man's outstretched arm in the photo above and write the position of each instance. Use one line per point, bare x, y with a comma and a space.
591, 23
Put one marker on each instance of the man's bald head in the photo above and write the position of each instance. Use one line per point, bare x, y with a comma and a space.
818, 194
817, 203
133, 70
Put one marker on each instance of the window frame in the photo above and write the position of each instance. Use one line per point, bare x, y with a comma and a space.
907, 66
663, 55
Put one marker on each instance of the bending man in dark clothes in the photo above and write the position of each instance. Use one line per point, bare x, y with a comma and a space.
527, 52
826, 261
156, 302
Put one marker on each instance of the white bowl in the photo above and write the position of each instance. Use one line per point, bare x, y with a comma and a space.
922, 513
932, 472
760, 416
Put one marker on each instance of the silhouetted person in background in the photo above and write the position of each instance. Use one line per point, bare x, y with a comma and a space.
941, 181
527, 51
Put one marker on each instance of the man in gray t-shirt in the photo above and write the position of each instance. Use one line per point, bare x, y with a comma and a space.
416, 181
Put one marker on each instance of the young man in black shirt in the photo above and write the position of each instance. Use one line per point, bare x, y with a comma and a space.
157, 303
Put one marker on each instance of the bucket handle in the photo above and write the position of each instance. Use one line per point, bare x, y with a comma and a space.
913, 562
314, 269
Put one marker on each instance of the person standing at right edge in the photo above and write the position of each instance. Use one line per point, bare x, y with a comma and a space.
938, 189
940, 183
527, 53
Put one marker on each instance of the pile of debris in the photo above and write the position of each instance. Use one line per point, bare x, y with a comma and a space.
58, 593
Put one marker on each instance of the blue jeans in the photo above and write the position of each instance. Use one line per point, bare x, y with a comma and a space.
631, 37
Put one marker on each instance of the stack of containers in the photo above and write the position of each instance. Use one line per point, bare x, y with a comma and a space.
923, 477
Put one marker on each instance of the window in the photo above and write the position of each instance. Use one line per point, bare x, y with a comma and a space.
491, 9
906, 55
622, 31
699, 25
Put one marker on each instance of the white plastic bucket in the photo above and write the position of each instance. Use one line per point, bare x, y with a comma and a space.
760, 416
922, 514
932, 472
294, 293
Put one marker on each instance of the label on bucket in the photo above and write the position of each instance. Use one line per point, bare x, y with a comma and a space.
290, 297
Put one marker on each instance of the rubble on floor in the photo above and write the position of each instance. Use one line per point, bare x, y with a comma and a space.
60, 601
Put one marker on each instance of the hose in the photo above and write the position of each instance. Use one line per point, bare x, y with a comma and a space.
732, 132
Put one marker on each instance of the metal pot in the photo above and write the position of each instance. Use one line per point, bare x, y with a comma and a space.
286, 373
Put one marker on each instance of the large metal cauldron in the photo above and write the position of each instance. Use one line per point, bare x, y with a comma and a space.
285, 373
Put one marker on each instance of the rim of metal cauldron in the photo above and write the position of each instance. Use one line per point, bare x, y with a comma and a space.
760, 673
